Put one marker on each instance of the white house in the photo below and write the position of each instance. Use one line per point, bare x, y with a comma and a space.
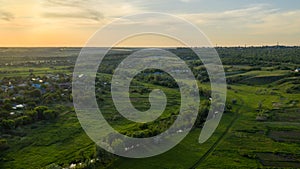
19, 106
297, 70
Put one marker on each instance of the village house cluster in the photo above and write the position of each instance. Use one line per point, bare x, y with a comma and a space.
19, 96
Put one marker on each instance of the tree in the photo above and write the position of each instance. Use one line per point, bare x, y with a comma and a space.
32, 114
103, 155
19, 100
23, 120
7, 106
118, 145
4, 114
143, 126
31, 104
40, 110
49, 114
3, 144
228, 108
234, 101
8, 124
35, 93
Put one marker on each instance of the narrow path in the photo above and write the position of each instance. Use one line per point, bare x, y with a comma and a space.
213, 147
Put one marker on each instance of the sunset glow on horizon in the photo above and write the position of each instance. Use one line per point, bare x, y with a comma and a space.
70, 23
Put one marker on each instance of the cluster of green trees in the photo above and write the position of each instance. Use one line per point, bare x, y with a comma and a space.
34, 100
146, 130
260, 56
157, 77
39, 57
28, 117
3, 144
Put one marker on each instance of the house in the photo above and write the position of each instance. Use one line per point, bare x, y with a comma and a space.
179, 131
10, 86
3, 87
22, 85
297, 70
18, 106
157, 73
65, 85
53, 77
81, 75
179, 71
38, 86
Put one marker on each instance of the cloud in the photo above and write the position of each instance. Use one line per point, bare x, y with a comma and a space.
6, 16
185, 0
227, 22
89, 9
253, 14
283, 23
68, 3
93, 15
78, 15
256, 19
255, 24
71, 9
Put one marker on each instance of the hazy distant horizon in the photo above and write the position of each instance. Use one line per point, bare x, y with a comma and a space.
233, 46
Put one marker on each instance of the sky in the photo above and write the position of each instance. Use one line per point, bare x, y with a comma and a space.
69, 23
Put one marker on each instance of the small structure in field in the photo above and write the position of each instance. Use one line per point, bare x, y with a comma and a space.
261, 118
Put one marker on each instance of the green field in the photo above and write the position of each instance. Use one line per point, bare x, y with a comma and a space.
260, 129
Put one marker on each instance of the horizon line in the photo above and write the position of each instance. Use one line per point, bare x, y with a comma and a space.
217, 46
